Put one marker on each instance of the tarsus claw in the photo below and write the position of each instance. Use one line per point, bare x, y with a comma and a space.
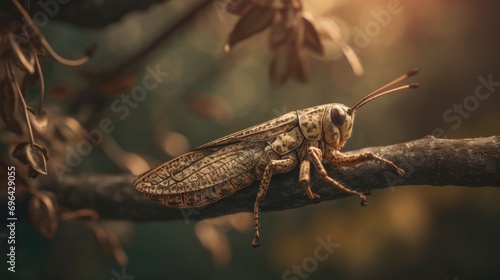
255, 242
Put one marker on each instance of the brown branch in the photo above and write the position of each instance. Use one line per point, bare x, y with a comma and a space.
428, 161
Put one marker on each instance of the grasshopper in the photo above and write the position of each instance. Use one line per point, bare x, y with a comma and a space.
218, 169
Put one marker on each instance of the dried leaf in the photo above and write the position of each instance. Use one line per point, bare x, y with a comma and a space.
43, 212
288, 62
280, 34
312, 40
33, 155
280, 67
288, 59
300, 67
19, 154
299, 36
292, 16
251, 22
37, 157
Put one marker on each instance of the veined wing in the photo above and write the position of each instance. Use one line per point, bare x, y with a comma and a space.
260, 132
201, 169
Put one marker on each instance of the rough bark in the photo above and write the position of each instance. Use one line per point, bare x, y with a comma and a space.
428, 161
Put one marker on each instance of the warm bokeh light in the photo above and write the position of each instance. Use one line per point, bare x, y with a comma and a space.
406, 232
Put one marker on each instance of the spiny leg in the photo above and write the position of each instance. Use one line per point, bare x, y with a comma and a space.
274, 166
344, 160
305, 179
315, 157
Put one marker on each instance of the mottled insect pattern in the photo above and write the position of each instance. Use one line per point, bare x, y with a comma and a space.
301, 138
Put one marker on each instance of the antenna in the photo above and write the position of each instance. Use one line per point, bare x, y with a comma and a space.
383, 90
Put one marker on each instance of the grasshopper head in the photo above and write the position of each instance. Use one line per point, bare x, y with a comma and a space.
338, 126
342, 117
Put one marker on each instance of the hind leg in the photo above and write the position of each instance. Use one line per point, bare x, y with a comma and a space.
274, 166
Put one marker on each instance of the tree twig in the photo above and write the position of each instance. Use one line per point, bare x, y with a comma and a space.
427, 161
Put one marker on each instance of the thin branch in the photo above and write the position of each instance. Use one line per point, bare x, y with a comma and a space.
15, 88
428, 161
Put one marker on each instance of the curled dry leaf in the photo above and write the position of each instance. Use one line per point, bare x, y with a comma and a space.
43, 212
21, 42
252, 21
287, 36
33, 155
292, 31
312, 40
286, 63
280, 32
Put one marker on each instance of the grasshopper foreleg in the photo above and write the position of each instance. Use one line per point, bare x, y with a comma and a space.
344, 160
315, 155
274, 166
305, 179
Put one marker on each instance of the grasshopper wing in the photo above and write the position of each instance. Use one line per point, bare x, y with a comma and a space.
202, 176
257, 133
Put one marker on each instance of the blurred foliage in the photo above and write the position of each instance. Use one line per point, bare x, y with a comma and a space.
405, 233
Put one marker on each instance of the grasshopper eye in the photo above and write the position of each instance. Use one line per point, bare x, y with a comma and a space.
338, 116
